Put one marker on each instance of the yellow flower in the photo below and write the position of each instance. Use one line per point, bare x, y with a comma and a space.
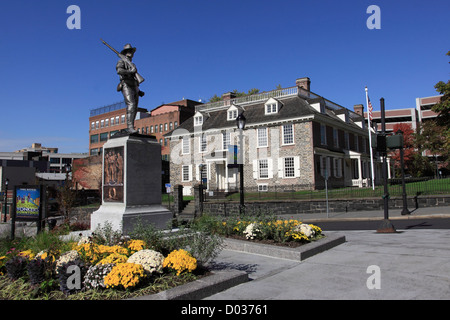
136, 245
27, 254
180, 260
124, 274
114, 258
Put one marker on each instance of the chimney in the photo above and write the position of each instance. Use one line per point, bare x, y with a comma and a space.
228, 96
304, 83
359, 109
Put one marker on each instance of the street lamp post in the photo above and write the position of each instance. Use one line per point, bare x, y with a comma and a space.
240, 122
6, 198
386, 225
405, 210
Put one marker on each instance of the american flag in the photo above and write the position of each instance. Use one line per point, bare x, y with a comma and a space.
370, 108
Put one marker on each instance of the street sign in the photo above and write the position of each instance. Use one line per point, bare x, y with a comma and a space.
394, 141
232, 156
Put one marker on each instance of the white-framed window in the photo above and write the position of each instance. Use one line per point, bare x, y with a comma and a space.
202, 143
262, 137
232, 114
198, 120
263, 187
271, 106
102, 123
288, 134
112, 121
225, 140
170, 125
151, 129
117, 119
186, 173
97, 124
289, 167
106, 122
323, 134
165, 126
263, 169
186, 145
161, 128
92, 125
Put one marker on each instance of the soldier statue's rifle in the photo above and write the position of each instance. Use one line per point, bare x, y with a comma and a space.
139, 78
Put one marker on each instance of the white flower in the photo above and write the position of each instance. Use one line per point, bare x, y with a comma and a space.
84, 240
95, 275
151, 260
305, 229
67, 257
251, 231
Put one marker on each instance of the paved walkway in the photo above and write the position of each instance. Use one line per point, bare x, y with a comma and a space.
409, 264
373, 214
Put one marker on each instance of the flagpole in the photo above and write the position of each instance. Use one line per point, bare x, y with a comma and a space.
370, 140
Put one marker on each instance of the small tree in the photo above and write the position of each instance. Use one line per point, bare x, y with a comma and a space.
409, 150
66, 197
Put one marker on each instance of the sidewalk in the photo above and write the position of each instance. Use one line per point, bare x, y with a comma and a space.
412, 264
429, 212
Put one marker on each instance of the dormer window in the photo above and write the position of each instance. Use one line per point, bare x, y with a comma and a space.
232, 113
198, 119
272, 106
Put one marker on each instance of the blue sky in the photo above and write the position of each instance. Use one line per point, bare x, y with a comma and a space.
52, 76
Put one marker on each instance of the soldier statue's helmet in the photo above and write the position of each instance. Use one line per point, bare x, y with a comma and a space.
127, 48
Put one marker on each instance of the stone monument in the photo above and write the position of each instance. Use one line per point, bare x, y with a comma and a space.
131, 170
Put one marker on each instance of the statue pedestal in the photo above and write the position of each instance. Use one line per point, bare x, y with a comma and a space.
131, 184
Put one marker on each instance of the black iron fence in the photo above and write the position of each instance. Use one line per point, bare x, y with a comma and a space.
413, 186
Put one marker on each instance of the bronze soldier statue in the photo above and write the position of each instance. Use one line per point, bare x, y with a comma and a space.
130, 80
129, 84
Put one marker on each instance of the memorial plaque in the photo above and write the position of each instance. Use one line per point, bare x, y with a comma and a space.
113, 171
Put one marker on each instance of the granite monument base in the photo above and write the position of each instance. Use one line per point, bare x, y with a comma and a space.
131, 184
126, 219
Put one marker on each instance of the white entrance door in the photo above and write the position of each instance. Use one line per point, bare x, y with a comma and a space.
221, 176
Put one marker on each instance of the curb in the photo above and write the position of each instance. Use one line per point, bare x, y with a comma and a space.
405, 217
202, 288
299, 254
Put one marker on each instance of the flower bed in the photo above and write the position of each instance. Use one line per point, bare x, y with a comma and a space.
89, 270
268, 230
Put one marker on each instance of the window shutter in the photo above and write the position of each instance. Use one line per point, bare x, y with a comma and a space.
197, 172
280, 168
190, 172
297, 167
270, 168
255, 169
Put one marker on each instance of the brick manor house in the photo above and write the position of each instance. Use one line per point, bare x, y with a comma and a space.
293, 139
